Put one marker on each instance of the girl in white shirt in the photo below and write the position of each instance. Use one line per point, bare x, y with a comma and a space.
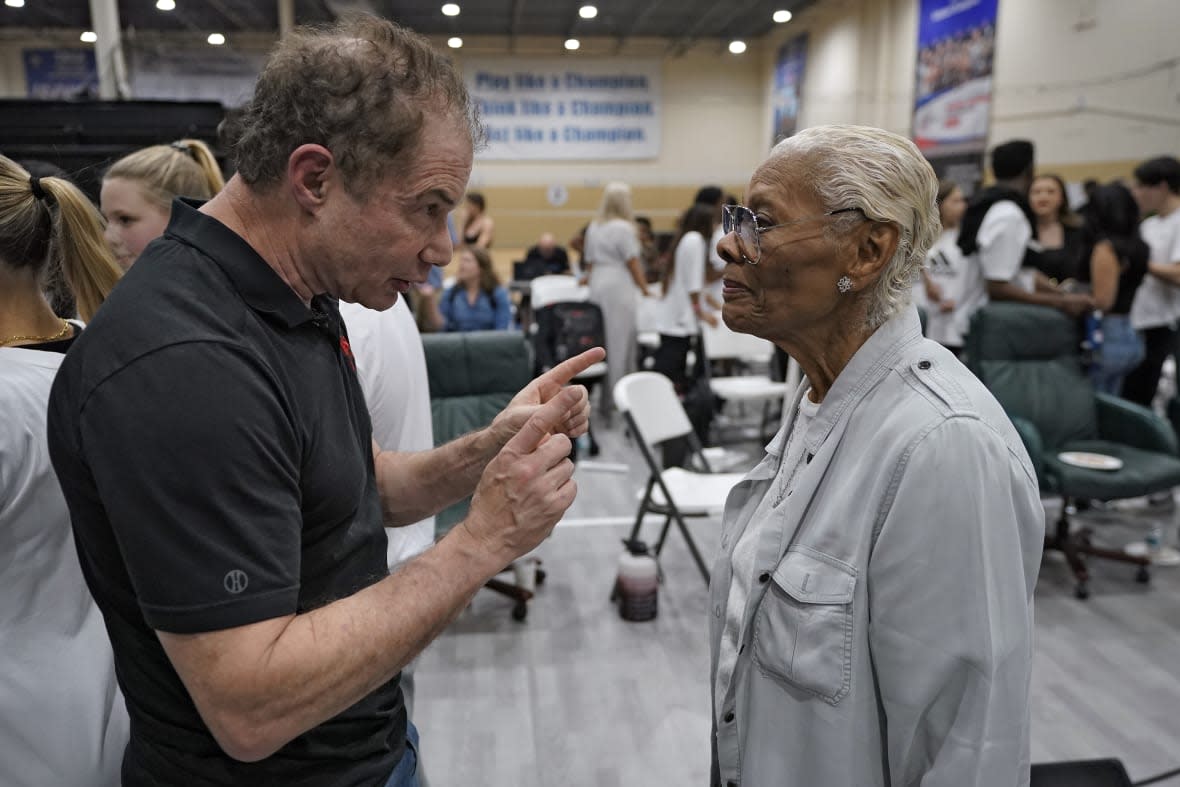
681, 307
62, 718
946, 275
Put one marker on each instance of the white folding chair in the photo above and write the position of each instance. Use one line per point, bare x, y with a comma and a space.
554, 288
655, 415
723, 344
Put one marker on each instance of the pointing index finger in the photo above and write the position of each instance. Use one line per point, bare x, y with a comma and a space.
542, 422
560, 375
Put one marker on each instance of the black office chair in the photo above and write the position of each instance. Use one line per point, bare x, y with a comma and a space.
1080, 773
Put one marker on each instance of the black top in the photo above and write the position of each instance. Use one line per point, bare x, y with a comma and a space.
557, 262
214, 448
1132, 269
1064, 262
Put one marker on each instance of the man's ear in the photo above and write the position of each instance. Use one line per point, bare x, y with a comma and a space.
876, 245
311, 169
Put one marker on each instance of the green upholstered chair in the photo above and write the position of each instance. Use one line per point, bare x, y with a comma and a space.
1028, 357
472, 377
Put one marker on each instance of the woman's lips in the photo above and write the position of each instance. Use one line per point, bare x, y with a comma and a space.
729, 287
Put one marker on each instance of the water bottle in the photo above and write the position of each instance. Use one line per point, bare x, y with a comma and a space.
638, 583
1154, 541
1093, 340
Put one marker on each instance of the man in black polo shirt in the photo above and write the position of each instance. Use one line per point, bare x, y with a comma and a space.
215, 450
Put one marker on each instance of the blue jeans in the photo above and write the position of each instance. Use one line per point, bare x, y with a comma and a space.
1122, 350
406, 772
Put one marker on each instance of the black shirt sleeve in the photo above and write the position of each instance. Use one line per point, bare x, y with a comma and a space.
196, 458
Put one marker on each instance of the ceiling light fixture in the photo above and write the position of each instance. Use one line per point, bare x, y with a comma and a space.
450, 9
572, 43
216, 39
737, 47
588, 11
166, 5
454, 42
781, 16
15, 3
88, 37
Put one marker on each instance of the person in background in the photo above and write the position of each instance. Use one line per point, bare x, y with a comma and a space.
1156, 309
548, 253
1117, 258
611, 263
681, 308
649, 250
62, 719
876, 571
995, 235
1058, 230
57, 289
946, 275
211, 416
138, 189
478, 226
476, 301
391, 367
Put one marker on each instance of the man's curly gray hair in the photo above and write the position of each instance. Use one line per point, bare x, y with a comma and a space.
885, 176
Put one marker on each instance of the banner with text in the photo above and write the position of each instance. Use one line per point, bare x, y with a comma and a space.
60, 73
953, 95
556, 109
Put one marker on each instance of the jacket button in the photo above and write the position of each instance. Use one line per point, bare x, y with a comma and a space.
924, 365
729, 717
764, 577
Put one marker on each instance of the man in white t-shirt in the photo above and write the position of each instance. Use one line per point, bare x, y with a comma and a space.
391, 367
1156, 308
997, 234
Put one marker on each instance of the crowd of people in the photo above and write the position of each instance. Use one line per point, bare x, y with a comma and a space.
1103, 264
217, 475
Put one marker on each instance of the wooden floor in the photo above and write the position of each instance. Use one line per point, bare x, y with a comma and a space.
577, 696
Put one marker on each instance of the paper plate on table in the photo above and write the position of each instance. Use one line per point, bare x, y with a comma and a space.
1166, 556
1090, 461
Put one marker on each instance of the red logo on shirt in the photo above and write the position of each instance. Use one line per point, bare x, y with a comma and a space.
346, 348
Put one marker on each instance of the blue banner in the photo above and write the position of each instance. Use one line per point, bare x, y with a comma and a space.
60, 73
953, 85
788, 86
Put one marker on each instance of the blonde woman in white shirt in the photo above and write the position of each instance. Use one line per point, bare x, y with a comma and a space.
62, 718
611, 262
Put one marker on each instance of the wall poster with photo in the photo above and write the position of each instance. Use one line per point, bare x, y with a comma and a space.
788, 86
953, 91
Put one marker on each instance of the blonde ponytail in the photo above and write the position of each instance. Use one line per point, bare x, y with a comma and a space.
89, 267
50, 219
185, 168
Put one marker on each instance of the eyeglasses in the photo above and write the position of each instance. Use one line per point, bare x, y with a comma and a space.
740, 219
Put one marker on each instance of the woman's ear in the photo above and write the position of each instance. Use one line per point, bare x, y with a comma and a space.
876, 245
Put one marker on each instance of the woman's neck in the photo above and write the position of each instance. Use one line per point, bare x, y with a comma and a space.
23, 308
822, 354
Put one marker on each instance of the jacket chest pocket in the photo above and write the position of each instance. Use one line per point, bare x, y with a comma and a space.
803, 627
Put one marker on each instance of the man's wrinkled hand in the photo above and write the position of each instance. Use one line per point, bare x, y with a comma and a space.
576, 419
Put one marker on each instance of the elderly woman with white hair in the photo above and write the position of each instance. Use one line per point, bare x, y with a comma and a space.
872, 599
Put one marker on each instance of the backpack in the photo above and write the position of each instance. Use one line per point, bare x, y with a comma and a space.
565, 329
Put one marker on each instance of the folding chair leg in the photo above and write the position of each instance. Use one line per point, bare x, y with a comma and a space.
692, 547
663, 535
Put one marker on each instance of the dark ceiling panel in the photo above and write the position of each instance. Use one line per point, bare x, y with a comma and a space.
680, 21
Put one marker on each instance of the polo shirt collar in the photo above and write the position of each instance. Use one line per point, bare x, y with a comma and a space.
258, 284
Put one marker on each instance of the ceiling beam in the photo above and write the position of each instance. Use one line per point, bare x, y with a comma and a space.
638, 20
514, 31
685, 41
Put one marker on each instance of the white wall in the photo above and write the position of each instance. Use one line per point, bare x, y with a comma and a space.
1064, 73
